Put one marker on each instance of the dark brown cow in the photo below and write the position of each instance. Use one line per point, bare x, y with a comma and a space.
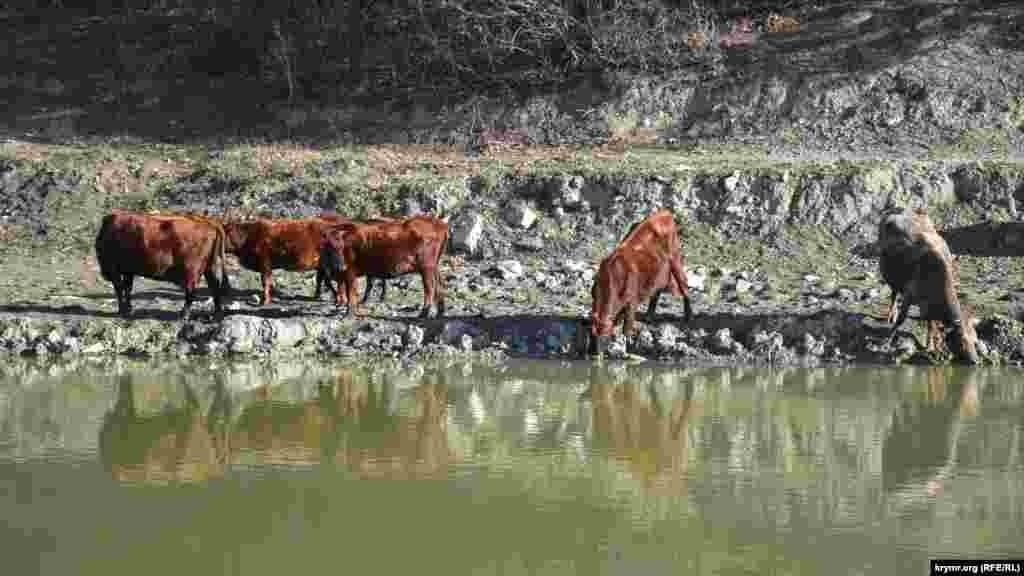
171, 248
332, 266
916, 263
388, 250
645, 263
263, 245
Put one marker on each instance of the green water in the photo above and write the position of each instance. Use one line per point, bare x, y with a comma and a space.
527, 468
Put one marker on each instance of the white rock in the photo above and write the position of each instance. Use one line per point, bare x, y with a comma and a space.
575, 266
520, 215
509, 269
466, 231
95, 348
695, 280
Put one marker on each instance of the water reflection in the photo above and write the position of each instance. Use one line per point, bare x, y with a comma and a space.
615, 461
365, 425
644, 426
178, 444
919, 450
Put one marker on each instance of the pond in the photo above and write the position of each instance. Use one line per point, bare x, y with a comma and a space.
532, 467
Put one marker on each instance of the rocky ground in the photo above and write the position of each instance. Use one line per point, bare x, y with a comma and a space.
779, 260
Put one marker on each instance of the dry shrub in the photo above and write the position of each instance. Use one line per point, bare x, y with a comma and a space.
741, 34
7, 232
635, 135
696, 40
778, 23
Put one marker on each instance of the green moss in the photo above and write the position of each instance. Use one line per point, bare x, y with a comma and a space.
973, 143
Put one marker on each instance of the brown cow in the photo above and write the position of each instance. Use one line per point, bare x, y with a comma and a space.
916, 263
263, 245
645, 263
170, 248
388, 250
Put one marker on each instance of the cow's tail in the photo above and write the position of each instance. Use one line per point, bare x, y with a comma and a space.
437, 269
220, 254
106, 260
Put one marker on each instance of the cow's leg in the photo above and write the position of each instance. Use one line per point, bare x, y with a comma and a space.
319, 281
894, 303
440, 292
117, 281
267, 278
352, 289
189, 296
369, 287
904, 310
627, 327
341, 293
653, 305
127, 282
687, 309
218, 290
383, 283
599, 345
428, 277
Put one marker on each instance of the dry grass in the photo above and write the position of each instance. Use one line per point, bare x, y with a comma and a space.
778, 23
286, 158
7, 232
393, 160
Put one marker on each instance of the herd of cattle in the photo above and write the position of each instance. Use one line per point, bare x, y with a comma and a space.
915, 262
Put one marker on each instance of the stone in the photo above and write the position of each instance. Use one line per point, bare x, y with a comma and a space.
286, 333
696, 278
520, 214
466, 230
239, 333
722, 340
812, 346
506, 270
572, 267
667, 336
95, 348
413, 336
529, 245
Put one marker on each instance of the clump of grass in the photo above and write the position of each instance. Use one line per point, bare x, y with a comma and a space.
1015, 112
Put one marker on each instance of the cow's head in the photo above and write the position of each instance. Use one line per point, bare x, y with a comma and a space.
962, 339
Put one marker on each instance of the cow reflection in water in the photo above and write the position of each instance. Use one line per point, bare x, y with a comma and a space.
181, 444
644, 427
353, 424
919, 450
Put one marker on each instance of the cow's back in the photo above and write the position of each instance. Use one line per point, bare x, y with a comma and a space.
158, 247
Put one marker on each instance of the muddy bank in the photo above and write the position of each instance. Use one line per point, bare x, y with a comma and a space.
812, 335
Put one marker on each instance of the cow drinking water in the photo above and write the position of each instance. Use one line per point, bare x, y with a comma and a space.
646, 263
917, 264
